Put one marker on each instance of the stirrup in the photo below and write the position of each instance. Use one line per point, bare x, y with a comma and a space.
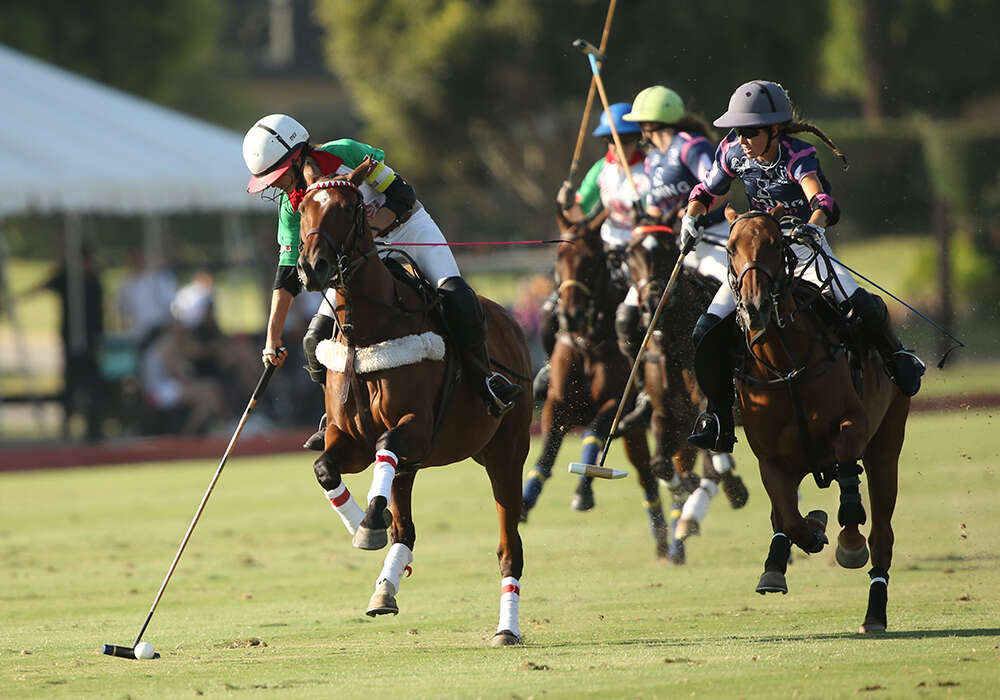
317, 441
502, 394
707, 434
905, 370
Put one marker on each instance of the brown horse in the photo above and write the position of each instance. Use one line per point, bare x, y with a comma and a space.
588, 373
813, 400
670, 383
390, 414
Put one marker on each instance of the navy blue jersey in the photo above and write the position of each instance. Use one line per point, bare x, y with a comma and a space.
673, 173
767, 184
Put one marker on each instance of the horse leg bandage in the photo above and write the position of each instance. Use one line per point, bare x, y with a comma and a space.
347, 508
384, 473
696, 506
591, 448
722, 462
397, 561
510, 597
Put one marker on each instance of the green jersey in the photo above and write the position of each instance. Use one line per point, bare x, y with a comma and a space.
588, 195
334, 158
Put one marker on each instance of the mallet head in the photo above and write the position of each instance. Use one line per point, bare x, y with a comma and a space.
586, 47
121, 651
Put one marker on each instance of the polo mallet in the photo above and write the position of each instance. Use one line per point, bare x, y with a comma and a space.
129, 652
590, 101
595, 56
599, 470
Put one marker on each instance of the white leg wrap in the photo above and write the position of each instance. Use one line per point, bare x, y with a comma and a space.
722, 462
696, 506
399, 557
347, 508
880, 580
383, 474
510, 596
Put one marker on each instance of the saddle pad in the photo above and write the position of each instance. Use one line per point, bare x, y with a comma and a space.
395, 352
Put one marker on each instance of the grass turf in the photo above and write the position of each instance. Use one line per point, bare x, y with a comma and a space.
268, 598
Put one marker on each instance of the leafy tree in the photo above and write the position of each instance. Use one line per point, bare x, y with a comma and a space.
479, 101
159, 50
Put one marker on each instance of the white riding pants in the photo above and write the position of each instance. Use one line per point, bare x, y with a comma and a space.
436, 262
724, 302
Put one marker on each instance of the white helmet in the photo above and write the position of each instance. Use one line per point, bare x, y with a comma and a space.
270, 147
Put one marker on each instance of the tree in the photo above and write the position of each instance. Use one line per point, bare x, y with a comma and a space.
479, 101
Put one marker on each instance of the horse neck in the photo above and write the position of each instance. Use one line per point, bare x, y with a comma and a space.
789, 348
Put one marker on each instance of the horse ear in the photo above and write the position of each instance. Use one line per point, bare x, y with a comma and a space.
777, 212
730, 213
360, 173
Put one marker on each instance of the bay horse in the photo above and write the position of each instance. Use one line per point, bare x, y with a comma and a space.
671, 385
814, 400
390, 414
588, 374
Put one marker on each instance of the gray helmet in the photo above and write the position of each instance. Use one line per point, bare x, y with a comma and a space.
757, 103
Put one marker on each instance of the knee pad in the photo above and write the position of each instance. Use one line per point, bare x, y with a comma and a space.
459, 299
869, 309
706, 322
320, 328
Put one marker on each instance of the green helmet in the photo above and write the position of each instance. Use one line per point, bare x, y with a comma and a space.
656, 104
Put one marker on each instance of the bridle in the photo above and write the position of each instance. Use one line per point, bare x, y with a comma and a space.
777, 279
652, 284
593, 293
347, 258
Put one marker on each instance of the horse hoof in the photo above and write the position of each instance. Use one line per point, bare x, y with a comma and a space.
735, 490
872, 627
819, 517
772, 582
852, 559
583, 501
382, 602
686, 528
370, 540
505, 638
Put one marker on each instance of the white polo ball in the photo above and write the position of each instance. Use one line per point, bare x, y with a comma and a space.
144, 650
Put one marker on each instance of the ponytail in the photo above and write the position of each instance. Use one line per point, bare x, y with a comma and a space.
694, 124
796, 127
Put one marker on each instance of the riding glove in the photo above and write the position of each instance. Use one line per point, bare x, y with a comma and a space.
690, 233
567, 195
807, 230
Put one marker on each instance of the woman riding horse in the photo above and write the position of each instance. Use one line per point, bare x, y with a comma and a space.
393, 393
588, 374
670, 383
277, 152
814, 398
776, 170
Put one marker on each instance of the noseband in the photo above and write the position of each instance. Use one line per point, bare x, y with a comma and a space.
776, 278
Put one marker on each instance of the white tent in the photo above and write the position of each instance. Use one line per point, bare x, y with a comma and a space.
69, 144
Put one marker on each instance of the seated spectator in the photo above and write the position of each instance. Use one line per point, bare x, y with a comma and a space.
144, 299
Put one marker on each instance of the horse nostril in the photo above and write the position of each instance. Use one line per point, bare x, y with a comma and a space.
321, 269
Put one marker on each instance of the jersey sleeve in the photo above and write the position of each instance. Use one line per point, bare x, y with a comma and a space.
353, 152
802, 162
588, 195
719, 176
288, 234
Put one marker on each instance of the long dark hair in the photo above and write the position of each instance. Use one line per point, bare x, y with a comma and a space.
798, 126
694, 124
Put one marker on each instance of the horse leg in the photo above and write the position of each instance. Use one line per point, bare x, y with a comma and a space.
341, 453
554, 427
637, 451
504, 458
408, 439
723, 466
881, 461
593, 439
852, 549
776, 564
400, 555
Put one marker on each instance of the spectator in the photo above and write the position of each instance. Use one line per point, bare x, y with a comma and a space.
144, 299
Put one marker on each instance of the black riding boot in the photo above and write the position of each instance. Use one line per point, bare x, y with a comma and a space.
629, 334
901, 364
713, 367
548, 329
320, 328
467, 323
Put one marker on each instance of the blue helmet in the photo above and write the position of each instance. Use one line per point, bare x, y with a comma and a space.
617, 110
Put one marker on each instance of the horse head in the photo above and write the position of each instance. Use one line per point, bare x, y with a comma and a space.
334, 234
757, 264
652, 254
582, 272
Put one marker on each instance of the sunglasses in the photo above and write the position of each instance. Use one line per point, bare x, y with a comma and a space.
748, 132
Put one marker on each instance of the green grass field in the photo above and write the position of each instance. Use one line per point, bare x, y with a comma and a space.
268, 599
